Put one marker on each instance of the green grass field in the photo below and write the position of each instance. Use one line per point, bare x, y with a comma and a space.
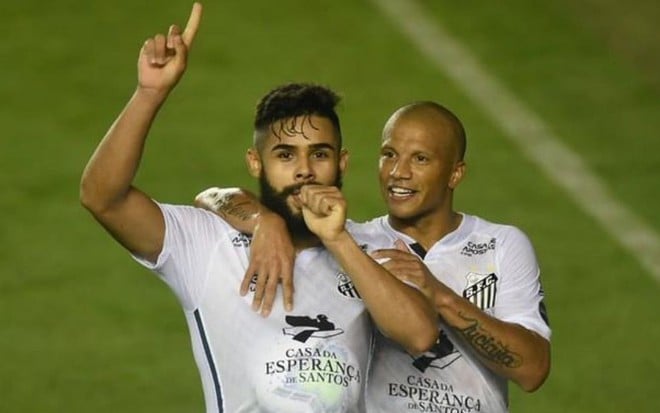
83, 328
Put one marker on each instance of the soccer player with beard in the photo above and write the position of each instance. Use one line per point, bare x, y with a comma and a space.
481, 277
313, 359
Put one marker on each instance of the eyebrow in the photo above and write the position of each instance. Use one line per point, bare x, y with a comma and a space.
312, 147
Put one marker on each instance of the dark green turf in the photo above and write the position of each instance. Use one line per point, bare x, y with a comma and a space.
83, 328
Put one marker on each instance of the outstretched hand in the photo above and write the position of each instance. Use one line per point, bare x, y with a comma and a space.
163, 58
272, 259
272, 254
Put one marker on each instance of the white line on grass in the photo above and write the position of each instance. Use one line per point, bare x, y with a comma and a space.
526, 129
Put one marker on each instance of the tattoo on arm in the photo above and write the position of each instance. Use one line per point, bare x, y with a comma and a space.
241, 210
487, 346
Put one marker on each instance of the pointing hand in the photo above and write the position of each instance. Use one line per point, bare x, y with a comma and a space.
163, 58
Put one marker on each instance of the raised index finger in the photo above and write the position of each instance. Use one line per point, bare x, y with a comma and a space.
193, 24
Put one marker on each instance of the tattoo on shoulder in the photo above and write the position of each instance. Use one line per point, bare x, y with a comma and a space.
487, 346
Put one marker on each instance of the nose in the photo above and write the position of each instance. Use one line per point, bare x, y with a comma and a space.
304, 170
400, 170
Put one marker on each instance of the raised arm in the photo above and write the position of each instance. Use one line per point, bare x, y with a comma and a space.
106, 189
400, 312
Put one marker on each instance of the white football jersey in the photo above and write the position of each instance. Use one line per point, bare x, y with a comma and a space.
493, 266
313, 359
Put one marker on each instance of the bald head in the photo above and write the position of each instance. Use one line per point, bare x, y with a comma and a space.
433, 116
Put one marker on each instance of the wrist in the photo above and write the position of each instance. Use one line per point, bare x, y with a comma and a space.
151, 95
335, 241
443, 299
266, 216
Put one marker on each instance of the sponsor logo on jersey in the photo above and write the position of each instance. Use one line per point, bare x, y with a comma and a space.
474, 248
441, 355
345, 286
304, 327
481, 289
241, 240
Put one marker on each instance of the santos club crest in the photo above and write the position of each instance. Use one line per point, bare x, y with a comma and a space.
345, 286
481, 289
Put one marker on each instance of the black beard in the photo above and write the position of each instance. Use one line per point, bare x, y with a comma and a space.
276, 202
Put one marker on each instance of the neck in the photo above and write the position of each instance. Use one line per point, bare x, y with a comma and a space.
427, 230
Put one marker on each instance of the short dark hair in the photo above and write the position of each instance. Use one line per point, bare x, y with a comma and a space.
292, 100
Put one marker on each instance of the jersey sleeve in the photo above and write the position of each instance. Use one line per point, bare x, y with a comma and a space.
520, 299
191, 235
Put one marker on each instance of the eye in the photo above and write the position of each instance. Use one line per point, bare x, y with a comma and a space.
421, 158
320, 155
284, 155
387, 154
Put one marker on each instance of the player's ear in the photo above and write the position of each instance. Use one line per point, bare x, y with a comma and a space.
253, 161
343, 161
457, 175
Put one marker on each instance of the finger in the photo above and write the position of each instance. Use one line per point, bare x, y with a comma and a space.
259, 290
171, 34
247, 279
398, 273
148, 50
401, 246
193, 24
269, 295
320, 190
180, 53
394, 264
393, 254
287, 286
160, 52
322, 202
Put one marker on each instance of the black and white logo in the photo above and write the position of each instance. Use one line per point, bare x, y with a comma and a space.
345, 286
252, 287
241, 240
481, 289
441, 355
304, 327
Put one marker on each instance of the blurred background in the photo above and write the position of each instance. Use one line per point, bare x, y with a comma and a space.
83, 328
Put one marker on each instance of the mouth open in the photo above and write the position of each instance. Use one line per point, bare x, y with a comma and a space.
400, 193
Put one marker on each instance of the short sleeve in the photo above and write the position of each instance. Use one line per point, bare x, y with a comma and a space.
520, 296
191, 237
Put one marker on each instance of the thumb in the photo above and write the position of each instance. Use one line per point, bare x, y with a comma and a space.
401, 246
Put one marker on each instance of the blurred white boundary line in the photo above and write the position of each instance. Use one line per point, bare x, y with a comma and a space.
527, 130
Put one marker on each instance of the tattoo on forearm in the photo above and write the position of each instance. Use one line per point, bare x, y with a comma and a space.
243, 211
487, 346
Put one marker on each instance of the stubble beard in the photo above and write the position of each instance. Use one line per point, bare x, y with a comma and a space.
276, 201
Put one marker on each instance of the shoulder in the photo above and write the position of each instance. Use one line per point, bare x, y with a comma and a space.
510, 243
374, 232
193, 218
504, 233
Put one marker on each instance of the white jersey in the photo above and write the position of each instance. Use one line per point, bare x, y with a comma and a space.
313, 359
494, 266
